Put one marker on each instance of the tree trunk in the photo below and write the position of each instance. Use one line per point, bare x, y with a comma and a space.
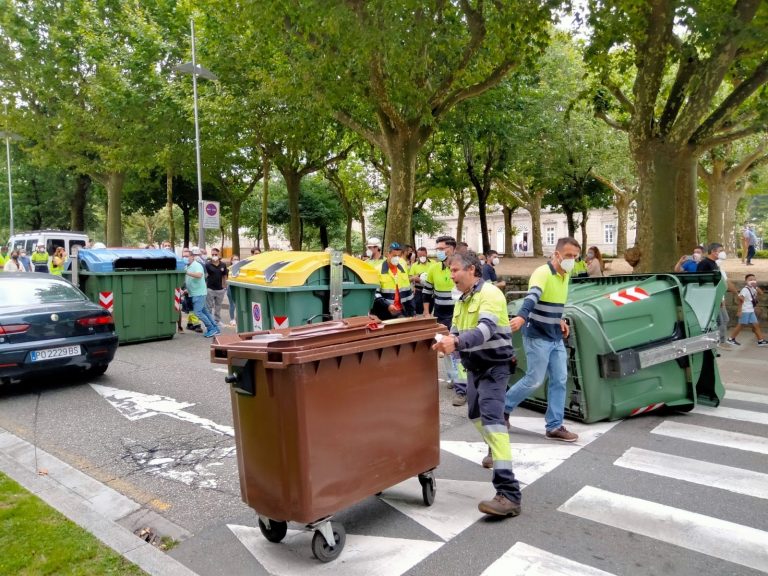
461, 214
402, 150
534, 208
236, 205
265, 201
79, 201
509, 251
361, 217
186, 213
293, 185
687, 209
658, 171
482, 207
731, 236
114, 185
622, 202
324, 241
571, 222
716, 207
583, 226
348, 234
169, 203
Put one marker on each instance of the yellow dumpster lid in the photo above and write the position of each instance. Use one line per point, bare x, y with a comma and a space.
276, 268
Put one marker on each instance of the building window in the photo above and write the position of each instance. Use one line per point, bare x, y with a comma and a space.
609, 233
549, 235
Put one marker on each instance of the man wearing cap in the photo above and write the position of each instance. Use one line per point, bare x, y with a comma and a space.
373, 252
394, 298
40, 259
195, 282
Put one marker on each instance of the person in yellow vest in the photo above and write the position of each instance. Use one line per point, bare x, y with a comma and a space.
415, 272
3, 255
394, 297
440, 295
40, 259
373, 253
58, 262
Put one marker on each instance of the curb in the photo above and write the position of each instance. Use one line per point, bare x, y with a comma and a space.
87, 502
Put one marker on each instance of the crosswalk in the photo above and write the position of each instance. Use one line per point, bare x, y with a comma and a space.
693, 453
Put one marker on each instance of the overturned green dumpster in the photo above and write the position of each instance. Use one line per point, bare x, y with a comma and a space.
637, 343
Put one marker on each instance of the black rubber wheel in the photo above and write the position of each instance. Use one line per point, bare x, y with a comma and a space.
276, 531
320, 547
96, 371
428, 487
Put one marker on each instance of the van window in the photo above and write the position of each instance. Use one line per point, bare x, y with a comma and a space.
73, 243
54, 243
31, 245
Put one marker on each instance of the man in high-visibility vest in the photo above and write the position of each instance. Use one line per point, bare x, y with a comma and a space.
373, 253
440, 295
394, 297
421, 266
481, 333
40, 259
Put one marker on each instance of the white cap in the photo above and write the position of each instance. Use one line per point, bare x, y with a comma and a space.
195, 250
373, 242
98, 245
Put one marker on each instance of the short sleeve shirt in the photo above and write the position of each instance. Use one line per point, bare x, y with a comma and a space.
746, 305
489, 273
196, 286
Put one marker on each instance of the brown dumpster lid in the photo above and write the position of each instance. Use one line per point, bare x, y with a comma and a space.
313, 341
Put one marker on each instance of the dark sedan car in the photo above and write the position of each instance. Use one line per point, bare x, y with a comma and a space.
48, 325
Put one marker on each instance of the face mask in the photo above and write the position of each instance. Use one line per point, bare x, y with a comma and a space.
697, 256
752, 282
215, 258
395, 260
423, 259
721, 256
235, 260
567, 264
440, 255
590, 254
495, 261
15, 257
369, 253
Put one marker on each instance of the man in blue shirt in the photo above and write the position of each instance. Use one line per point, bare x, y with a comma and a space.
749, 244
689, 263
198, 291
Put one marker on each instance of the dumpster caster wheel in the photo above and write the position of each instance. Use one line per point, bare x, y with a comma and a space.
428, 487
322, 550
276, 530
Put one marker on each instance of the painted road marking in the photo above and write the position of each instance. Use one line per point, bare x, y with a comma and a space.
746, 396
719, 476
525, 560
713, 436
135, 406
711, 536
369, 555
733, 414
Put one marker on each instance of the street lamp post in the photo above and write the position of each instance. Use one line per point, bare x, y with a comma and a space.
8, 137
195, 70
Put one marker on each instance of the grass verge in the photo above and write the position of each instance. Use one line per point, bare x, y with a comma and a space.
37, 540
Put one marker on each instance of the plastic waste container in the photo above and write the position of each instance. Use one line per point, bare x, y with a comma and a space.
137, 285
323, 418
281, 289
637, 343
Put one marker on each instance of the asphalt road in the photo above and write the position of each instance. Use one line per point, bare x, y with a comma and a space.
681, 494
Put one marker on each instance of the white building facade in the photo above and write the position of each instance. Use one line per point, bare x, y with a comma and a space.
602, 228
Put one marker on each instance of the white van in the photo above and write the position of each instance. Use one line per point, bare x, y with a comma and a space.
52, 239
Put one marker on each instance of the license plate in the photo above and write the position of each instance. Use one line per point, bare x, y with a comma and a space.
53, 353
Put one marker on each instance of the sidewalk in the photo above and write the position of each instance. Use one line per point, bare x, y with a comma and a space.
105, 513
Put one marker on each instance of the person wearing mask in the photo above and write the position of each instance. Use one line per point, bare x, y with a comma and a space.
440, 295
711, 263
166, 245
40, 259
24, 259
373, 253
216, 281
232, 318
14, 264
541, 319
489, 269
193, 322
58, 262
394, 297
748, 301
417, 269
195, 282
4, 255
594, 261
688, 263
481, 334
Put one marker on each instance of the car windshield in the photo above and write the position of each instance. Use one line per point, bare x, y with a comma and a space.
31, 291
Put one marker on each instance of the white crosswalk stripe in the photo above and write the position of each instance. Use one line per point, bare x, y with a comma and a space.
728, 478
729, 541
713, 436
525, 560
732, 414
746, 396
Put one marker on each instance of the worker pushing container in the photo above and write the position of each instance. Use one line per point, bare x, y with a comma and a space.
637, 343
323, 418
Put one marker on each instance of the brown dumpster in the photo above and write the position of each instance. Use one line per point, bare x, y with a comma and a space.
329, 414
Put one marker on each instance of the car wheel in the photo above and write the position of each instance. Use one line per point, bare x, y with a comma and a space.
96, 371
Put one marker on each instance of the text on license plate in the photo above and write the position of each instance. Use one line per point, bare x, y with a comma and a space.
52, 353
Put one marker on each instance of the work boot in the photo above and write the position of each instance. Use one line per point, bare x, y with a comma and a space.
488, 460
562, 434
459, 399
499, 506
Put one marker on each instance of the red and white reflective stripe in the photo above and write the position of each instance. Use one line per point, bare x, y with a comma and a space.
106, 300
177, 299
628, 295
645, 409
279, 321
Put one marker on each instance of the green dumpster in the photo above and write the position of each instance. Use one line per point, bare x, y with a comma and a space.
637, 343
138, 286
286, 289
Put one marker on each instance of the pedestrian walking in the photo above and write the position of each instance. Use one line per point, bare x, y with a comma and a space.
748, 300
195, 283
216, 281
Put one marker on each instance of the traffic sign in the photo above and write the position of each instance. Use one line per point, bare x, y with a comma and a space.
210, 214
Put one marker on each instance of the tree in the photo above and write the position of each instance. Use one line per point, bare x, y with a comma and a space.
695, 72
390, 69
